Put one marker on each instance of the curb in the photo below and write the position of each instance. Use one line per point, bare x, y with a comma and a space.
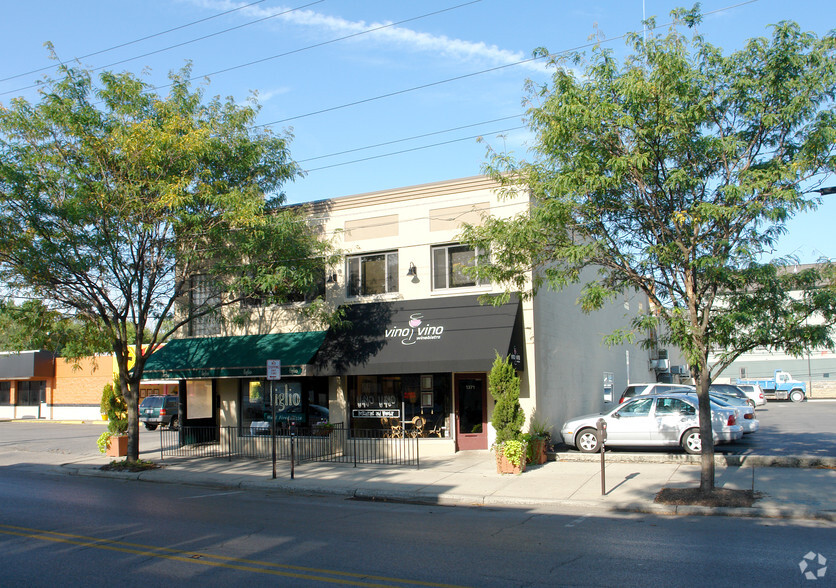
448, 499
782, 461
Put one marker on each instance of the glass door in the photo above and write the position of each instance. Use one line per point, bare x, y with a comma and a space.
471, 413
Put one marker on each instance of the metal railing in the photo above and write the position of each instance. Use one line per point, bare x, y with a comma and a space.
334, 443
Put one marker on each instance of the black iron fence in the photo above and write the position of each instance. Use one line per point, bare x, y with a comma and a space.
330, 443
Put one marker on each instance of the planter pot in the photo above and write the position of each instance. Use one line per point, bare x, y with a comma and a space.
117, 446
503, 466
537, 451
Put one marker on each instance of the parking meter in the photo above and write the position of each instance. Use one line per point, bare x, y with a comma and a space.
602, 431
602, 437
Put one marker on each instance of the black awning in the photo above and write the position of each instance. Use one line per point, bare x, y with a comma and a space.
418, 336
27, 364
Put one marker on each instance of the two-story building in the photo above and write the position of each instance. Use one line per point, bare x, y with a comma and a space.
420, 343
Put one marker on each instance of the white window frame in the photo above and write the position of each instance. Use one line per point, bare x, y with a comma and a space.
445, 250
355, 265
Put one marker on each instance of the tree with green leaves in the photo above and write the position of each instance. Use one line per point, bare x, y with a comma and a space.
142, 213
508, 416
33, 325
674, 174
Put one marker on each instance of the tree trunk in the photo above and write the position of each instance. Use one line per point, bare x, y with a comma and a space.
130, 394
706, 433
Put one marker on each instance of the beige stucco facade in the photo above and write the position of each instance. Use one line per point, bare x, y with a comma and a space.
566, 369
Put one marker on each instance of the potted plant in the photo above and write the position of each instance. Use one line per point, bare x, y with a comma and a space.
537, 440
323, 429
510, 457
508, 417
114, 441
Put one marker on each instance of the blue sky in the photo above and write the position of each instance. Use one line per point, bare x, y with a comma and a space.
375, 109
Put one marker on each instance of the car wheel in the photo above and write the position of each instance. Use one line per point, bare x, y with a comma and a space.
587, 441
796, 395
691, 442
174, 424
150, 426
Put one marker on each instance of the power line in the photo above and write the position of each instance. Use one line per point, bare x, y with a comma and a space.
408, 139
412, 149
204, 37
472, 74
322, 44
139, 40
215, 34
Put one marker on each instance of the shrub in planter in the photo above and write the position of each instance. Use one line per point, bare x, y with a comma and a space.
508, 416
504, 385
537, 440
510, 457
113, 405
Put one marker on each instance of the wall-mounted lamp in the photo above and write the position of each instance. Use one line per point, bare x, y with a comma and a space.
332, 278
412, 273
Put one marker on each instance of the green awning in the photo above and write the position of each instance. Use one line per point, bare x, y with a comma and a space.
233, 357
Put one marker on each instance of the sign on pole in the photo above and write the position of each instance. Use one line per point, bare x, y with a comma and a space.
274, 369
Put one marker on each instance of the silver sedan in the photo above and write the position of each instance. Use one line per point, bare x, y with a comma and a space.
658, 420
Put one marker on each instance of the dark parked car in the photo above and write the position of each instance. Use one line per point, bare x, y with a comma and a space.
159, 410
312, 416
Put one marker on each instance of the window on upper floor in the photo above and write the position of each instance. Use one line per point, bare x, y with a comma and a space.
316, 289
370, 274
204, 294
449, 263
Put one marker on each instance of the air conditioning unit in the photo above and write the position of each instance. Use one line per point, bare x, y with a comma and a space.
660, 365
680, 370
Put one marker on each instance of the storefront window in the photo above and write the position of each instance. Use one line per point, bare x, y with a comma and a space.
31, 393
379, 403
5, 392
295, 403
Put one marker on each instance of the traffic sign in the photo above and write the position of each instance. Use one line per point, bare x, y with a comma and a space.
274, 369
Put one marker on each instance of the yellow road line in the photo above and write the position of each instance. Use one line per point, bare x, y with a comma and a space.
206, 559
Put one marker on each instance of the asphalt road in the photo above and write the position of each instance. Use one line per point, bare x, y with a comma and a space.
58, 530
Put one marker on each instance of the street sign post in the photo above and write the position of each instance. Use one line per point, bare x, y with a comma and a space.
274, 372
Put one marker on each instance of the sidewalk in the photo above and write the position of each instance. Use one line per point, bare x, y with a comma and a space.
470, 478
789, 486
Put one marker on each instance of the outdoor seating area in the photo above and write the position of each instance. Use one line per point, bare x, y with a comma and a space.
415, 428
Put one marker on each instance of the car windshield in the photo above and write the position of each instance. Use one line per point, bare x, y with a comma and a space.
152, 402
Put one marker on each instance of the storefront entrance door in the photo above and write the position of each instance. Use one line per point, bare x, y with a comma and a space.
471, 413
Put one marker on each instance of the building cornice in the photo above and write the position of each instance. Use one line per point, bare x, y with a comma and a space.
394, 196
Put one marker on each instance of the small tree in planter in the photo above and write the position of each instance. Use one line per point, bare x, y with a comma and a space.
508, 416
113, 405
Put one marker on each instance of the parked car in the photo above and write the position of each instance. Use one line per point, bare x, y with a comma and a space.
649, 388
666, 419
745, 411
313, 415
731, 390
159, 410
754, 392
